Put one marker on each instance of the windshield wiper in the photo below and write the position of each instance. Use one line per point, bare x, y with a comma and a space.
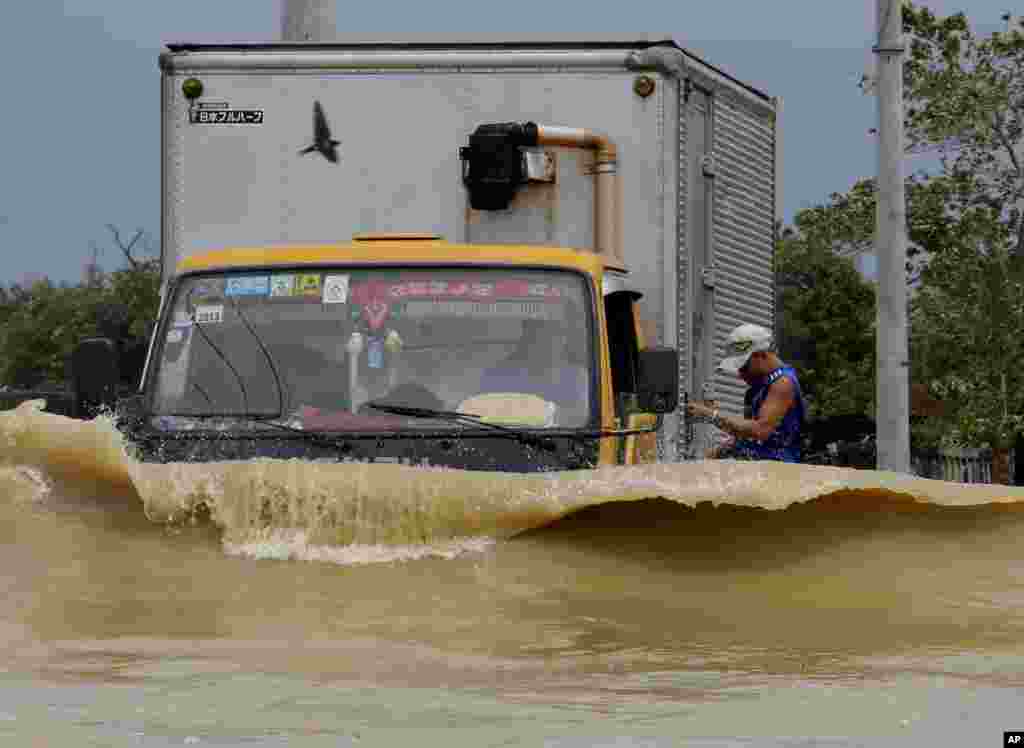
266, 353
460, 417
213, 346
238, 377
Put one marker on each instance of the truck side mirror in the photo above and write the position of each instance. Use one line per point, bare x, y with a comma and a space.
658, 380
95, 375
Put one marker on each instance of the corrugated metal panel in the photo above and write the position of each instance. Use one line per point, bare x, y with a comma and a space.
668, 110
744, 210
745, 226
683, 283
734, 390
743, 134
696, 250
736, 310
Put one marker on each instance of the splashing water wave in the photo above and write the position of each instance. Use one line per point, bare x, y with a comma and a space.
363, 513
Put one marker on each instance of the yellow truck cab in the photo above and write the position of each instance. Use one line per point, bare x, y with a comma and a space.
403, 348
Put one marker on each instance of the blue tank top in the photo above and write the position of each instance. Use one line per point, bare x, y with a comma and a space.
784, 443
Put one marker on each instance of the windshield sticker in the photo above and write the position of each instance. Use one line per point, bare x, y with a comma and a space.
208, 289
308, 284
545, 290
375, 313
248, 285
282, 285
336, 289
380, 290
498, 309
206, 315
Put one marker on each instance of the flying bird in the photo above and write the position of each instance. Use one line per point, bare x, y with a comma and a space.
322, 141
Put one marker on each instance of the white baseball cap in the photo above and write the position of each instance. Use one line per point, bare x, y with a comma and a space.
743, 341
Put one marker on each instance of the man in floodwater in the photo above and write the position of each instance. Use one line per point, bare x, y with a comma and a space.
772, 429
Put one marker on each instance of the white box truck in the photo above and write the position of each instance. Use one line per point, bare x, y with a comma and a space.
631, 162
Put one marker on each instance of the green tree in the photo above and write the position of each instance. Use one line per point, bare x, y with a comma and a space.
40, 332
40, 325
138, 289
967, 337
965, 102
826, 314
964, 99
966, 305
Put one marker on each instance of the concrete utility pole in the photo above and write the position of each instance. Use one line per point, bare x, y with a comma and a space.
892, 409
308, 20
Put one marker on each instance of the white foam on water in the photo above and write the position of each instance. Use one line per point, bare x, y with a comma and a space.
24, 484
87, 451
281, 544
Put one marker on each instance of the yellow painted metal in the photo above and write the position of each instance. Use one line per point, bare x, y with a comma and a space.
641, 449
402, 250
608, 450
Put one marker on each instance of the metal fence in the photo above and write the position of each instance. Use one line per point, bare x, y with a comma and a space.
959, 465
57, 401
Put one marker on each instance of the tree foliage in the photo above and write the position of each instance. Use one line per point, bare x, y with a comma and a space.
826, 314
40, 324
40, 327
964, 99
966, 304
967, 331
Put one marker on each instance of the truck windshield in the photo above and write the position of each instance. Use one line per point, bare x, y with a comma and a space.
316, 348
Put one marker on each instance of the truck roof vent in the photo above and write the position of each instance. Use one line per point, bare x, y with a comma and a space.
397, 237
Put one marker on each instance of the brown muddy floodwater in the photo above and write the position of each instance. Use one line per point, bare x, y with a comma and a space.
707, 604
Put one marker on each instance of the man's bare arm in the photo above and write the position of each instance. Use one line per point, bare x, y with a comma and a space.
776, 404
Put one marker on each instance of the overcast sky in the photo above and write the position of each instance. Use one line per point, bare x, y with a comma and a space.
79, 135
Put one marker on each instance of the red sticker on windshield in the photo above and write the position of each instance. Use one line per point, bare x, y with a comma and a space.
380, 290
375, 313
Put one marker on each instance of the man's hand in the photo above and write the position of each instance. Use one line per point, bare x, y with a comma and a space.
699, 411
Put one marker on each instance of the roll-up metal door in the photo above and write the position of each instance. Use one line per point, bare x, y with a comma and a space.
744, 217
696, 257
